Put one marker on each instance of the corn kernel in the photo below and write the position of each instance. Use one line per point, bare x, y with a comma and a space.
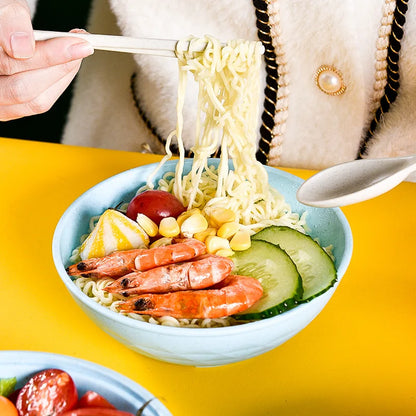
215, 243
187, 214
149, 226
241, 241
228, 229
160, 242
219, 216
224, 252
201, 236
196, 223
169, 227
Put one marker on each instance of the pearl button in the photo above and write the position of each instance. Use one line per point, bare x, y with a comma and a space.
329, 80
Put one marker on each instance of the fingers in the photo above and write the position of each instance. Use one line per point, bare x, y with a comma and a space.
26, 86
44, 100
30, 86
47, 53
33, 76
16, 33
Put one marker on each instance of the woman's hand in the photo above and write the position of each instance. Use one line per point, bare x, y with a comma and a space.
33, 75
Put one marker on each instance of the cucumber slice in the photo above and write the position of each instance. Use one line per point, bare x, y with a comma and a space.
314, 264
281, 282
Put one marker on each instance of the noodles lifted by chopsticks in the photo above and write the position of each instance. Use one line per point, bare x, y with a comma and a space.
228, 78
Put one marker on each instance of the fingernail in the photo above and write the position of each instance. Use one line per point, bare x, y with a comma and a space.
80, 50
21, 44
76, 30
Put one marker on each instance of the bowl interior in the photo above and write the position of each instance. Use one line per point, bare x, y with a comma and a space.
119, 390
327, 224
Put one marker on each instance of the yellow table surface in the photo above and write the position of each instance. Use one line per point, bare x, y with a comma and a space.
358, 357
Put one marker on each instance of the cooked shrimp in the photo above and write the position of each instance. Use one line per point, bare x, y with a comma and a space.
202, 272
183, 249
233, 295
114, 265
120, 263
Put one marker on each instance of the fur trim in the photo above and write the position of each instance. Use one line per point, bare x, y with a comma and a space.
177, 20
396, 135
321, 130
102, 113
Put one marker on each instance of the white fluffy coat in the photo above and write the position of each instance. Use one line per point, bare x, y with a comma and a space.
321, 130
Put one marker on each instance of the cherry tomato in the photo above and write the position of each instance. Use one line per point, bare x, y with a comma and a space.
155, 205
49, 392
7, 408
93, 399
96, 411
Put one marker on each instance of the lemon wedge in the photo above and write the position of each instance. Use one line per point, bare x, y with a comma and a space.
114, 231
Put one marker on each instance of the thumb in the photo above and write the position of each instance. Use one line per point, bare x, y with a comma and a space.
16, 33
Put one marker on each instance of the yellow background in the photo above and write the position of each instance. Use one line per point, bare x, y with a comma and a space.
356, 358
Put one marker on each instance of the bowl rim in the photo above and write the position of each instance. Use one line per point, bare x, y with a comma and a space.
65, 362
186, 331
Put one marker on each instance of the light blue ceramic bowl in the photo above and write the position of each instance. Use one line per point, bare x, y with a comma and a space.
197, 346
122, 392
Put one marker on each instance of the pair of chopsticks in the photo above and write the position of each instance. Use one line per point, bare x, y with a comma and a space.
160, 47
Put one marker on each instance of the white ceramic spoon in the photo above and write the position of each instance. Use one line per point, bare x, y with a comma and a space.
356, 181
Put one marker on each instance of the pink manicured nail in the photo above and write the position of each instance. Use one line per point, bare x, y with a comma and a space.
78, 31
80, 50
22, 45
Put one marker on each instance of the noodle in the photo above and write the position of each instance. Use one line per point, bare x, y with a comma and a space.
228, 81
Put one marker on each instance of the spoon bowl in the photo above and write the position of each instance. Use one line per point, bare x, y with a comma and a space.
356, 181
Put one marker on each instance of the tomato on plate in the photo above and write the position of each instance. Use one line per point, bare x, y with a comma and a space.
7, 408
156, 205
49, 392
93, 399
